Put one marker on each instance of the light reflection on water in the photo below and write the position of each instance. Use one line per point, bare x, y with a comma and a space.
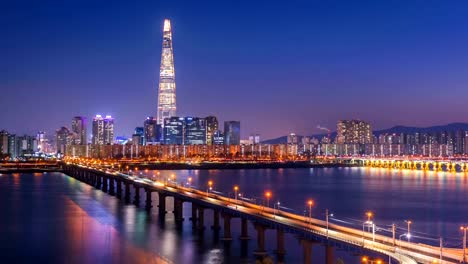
58, 219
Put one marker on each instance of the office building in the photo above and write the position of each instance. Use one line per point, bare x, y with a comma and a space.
152, 131
231, 132
140, 131
195, 131
103, 130
211, 127
173, 130
218, 138
167, 86
79, 130
63, 138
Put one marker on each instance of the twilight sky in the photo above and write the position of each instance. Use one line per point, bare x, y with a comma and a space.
277, 66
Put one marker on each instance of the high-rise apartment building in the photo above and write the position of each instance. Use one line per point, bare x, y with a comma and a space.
211, 127
103, 130
353, 132
167, 86
79, 130
3, 142
232, 133
63, 138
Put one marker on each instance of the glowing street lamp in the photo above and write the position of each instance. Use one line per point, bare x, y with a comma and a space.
189, 181
369, 215
236, 188
464, 228
268, 196
310, 203
210, 186
408, 235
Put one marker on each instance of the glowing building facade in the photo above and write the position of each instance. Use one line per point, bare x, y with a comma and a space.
167, 87
103, 130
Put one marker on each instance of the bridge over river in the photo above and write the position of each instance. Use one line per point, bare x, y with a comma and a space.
308, 230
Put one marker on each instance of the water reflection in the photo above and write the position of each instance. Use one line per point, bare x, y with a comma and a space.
53, 217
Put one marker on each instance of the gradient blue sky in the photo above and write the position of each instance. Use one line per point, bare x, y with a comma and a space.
277, 66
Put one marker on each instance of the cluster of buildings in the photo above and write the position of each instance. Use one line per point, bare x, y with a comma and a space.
170, 137
13, 146
186, 131
355, 137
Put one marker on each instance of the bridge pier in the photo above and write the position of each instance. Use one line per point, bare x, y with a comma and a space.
215, 225
227, 227
201, 218
99, 181
161, 204
194, 216
104, 184
260, 251
127, 192
244, 230
178, 210
136, 200
329, 254
111, 186
119, 188
148, 202
306, 250
280, 248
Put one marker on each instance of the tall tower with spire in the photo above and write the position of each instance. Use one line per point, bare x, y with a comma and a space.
167, 87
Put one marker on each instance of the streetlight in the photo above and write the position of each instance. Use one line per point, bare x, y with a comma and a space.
464, 228
408, 235
268, 195
189, 181
310, 203
210, 186
236, 188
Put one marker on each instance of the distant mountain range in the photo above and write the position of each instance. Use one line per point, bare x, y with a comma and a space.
395, 129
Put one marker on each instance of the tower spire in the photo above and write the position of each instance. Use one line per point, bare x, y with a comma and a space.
167, 87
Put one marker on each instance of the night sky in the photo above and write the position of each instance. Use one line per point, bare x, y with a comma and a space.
277, 66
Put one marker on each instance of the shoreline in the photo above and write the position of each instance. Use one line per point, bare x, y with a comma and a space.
233, 166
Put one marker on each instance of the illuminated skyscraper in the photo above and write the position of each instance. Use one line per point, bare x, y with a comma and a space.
167, 87
231, 133
211, 127
78, 128
103, 130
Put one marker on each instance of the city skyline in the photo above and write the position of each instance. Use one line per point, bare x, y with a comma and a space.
246, 62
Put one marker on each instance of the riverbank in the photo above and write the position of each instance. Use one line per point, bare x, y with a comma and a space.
232, 165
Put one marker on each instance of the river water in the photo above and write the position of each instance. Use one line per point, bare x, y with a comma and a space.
53, 218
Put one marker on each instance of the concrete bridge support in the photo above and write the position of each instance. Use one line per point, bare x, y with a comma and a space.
260, 251
280, 248
201, 218
148, 202
215, 225
104, 184
178, 210
244, 230
127, 192
136, 200
193, 218
227, 227
162, 204
119, 188
329, 254
111, 186
306, 250
99, 181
